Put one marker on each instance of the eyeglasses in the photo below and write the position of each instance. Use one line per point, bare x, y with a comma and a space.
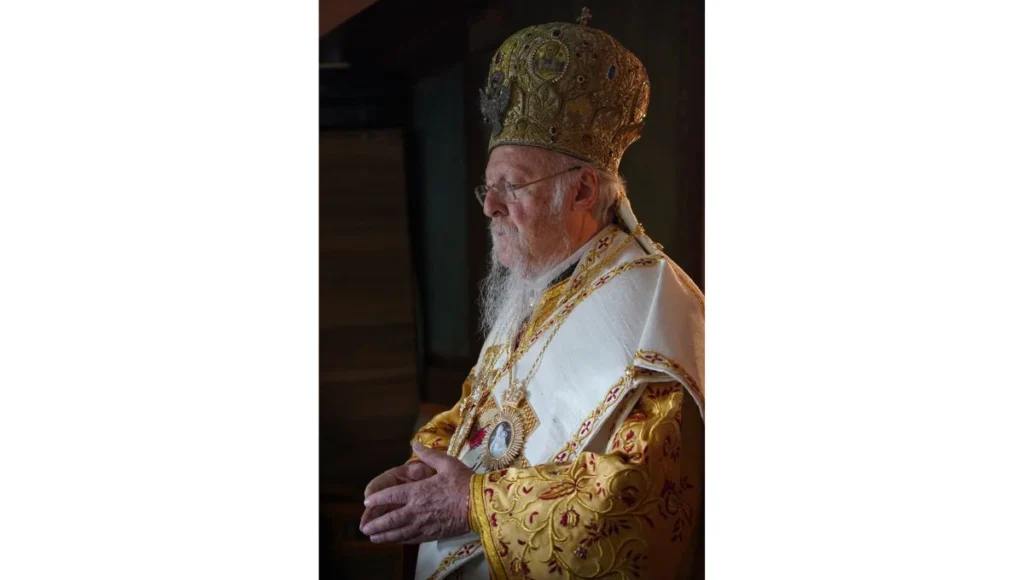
507, 191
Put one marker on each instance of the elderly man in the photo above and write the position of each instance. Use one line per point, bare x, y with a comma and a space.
576, 448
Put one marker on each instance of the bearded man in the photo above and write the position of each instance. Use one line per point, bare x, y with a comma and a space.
577, 446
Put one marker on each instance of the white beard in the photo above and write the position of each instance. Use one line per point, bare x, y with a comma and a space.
508, 295
507, 298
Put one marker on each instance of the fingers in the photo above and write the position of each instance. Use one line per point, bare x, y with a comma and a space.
407, 535
394, 494
417, 470
382, 481
370, 514
387, 522
432, 457
407, 473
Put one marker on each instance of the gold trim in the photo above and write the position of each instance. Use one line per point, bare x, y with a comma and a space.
476, 493
522, 463
545, 82
589, 269
576, 442
547, 305
589, 277
477, 513
664, 364
464, 552
585, 293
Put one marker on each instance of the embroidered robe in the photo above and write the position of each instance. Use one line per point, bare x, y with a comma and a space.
609, 482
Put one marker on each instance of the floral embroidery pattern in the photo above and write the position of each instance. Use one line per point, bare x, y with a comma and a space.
437, 433
587, 280
584, 514
617, 514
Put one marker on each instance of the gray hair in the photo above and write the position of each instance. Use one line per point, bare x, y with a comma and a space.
610, 186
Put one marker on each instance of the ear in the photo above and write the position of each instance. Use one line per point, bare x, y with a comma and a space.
586, 191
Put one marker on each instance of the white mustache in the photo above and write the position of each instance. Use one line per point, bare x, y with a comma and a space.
501, 229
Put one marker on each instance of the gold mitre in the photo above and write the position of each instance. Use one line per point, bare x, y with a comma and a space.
569, 88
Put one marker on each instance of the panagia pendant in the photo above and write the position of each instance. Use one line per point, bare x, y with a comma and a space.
504, 439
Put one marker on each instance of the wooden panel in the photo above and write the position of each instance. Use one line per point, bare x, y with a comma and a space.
368, 344
356, 402
368, 348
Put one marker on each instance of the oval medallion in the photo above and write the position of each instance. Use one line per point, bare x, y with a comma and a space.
504, 440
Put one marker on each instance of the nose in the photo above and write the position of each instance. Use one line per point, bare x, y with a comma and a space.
494, 206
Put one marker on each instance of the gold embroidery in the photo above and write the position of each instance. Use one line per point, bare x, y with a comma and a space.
467, 550
479, 515
511, 425
564, 312
548, 302
487, 405
507, 426
553, 324
604, 251
664, 363
580, 286
437, 433
530, 420
588, 425
645, 373
621, 514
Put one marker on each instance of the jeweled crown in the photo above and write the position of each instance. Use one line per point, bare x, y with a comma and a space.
566, 87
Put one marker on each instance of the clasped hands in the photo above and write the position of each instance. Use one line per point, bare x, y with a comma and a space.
418, 502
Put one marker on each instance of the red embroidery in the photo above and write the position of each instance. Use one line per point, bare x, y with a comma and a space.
558, 490
477, 438
570, 518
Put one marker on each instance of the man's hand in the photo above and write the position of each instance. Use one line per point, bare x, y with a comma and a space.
413, 471
424, 510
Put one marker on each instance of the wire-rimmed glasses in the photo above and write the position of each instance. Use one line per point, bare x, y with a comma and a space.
507, 191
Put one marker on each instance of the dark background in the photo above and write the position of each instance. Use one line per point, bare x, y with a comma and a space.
402, 240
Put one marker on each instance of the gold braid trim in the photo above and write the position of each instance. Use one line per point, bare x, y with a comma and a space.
665, 364
467, 550
588, 427
479, 520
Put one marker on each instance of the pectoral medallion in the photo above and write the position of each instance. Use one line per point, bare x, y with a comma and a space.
509, 428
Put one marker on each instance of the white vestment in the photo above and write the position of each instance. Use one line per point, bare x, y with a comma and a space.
634, 318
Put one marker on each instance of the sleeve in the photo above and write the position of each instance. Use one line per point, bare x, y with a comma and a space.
438, 431
628, 512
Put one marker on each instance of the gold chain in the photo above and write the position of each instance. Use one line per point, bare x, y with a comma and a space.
554, 331
513, 356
